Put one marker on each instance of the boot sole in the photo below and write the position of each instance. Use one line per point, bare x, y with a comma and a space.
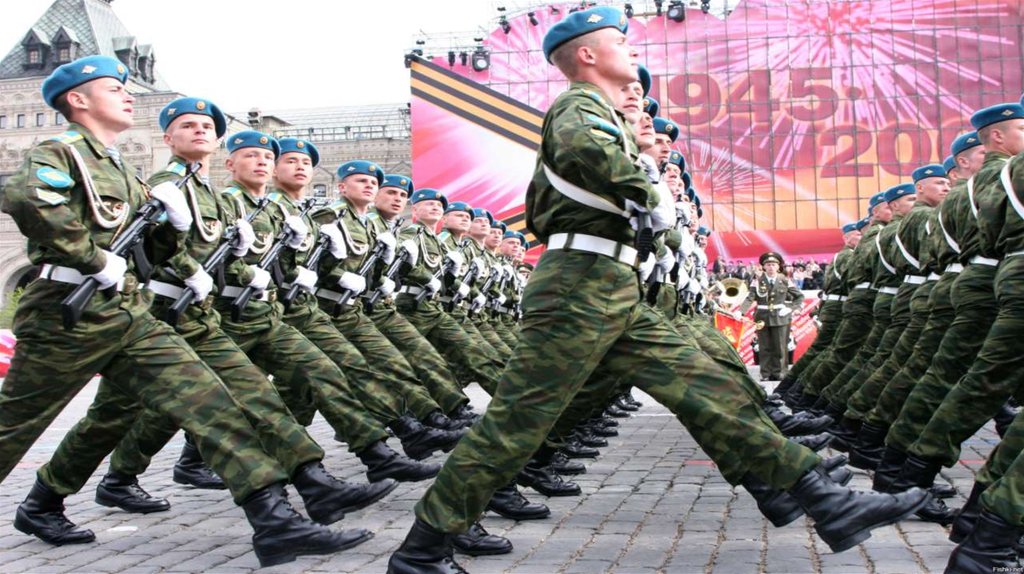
483, 552
31, 532
787, 519
547, 492
201, 486
113, 504
536, 516
285, 557
865, 533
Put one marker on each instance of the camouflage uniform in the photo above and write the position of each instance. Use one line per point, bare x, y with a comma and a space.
830, 314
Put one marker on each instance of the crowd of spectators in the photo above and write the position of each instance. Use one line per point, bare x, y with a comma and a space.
806, 275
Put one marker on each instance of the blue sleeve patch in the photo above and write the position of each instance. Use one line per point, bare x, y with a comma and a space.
232, 192
177, 169
604, 125
67, 137
54, 178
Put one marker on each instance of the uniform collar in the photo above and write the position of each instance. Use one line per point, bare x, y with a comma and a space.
94, 144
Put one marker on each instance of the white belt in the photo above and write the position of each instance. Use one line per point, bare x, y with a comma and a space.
1015, 253
915, 279
864, 285
933, 277
333, 296
987, 261
446, 299
53, 272
592, 244
835, 297
506, 310
410, 289
165, 289
230, 291
770, 307
888, 290
953, 268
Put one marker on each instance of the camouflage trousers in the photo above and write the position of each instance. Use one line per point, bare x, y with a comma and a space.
583, 314
838, 391
830, 314
483, 345
471, 361
995, 373
431, 368
909, 316
118, 420
857, 321
486, 328
507, 331
143, 358
1004, 474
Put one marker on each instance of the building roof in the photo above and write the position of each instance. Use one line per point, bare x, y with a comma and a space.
380, 121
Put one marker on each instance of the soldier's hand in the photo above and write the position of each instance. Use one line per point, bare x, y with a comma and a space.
456, 259
412, 251
387, 287
174, 204
201, 284
390, 243
299, 231
434, 286
478, 264
501, 299
338, 248
647, 267
463, 289
479, 301
666, 261
113, 271
245, 238
306, 278
352, 282
260, 279
785, 311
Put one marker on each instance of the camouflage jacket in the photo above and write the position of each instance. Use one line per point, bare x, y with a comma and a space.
990, 197
1011, 239
911, 255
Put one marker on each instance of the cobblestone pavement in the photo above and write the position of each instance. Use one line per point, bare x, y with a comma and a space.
652, 502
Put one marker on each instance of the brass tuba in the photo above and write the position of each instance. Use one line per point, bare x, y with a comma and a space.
733, 293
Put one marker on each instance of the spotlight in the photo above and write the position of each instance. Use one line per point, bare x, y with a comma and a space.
481, 59
676, 11
628, 9
533, 18
555, 10
657, 7
463, 58
705, 6
451, 59
505, 26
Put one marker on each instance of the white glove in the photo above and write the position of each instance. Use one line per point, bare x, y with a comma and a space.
306, 278
174, 204
390, 243
479, 301
245, 238
352, 282
650, 167
338, 249
647, 267
695, 287
113, 270
686, 245
508, 271
666, 261
737, 315
785, 311
664, 214
414, 252
683, 212
456, 258
201, 284
478, 264
502, 299
434, 286
299, 231
387, 287
463, 290
260, 278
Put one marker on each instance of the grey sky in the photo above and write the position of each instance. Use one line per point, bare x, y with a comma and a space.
277, 54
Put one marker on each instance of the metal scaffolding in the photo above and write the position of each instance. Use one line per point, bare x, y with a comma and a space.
380, 121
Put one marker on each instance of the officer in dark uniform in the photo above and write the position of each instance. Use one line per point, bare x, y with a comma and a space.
776, 299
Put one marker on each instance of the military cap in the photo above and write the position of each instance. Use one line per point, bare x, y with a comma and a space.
897, 191
251, 138
926, 171
644, 76
964, 142
290, 145
687, 178
82, 70
428, 194
361, 167
876, 200
949, 164
459, 206
679, 161
481, 212
995, 114
651, 106
499, 224
583, 22
862, 223
703, 231
700, 213
770, 256
525, 265
696, 200
849, 227
691, 193
513, 234
185, 106
666, 127
397, 180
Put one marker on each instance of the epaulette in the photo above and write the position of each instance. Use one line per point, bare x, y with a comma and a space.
372, 215
337, 206
596, 96
67, 137
232, 191
275, 196
176, 168
443, 235
604, 126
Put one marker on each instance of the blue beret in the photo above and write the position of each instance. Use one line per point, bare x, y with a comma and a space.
687, 180
863, 222
700, 213
703, 231
481, 212
185, 106
876, 200
82, 70
499, 224
850, 227
426, 194
995, 114
459, 206
250, 138
926, 171
964, 142
397, 180
651, 106
696, 200
583, 22
644, 75
949, 164
363, 167
667, 127
691, 193
290, 145
897, 191
679, 161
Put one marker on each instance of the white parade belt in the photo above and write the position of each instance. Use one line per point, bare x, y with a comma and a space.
593, 244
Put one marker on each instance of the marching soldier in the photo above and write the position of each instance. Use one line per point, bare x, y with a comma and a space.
776, 299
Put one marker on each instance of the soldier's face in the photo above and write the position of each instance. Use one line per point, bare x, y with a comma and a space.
613, 56
882, 212
192, 136
771, 268
391, 201
510, 247
294, 170
428, 211
251, 166
493, 238
969, 161
852, 238
359, 189
645, 132
104, 101
932, 190
663, 147
480, 227
629, 101
1011, 136
903, 205
457, 221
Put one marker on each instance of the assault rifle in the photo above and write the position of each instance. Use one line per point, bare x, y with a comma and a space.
446, 267
323, 243
378, 250
391, 272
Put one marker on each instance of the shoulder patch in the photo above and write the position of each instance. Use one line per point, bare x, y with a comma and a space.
176, 168
54, 178
67, 137
444, 234
604, 125
50, 197
337, 205
275, 196
372, 215
232, 191
592, 94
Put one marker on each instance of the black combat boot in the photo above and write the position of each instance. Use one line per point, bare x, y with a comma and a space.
561, 464
478, 542
191, 470
383, 463
632, 400
123, 491
888, 469
425, 550
327, 499
921, 473
804, 402
844, 517
793, 396
42, 516
814, 442
625, 405
866, 453
436, 419
784, 385
798, 424
597, 428
778, 506
616, 412
821, 405
967, 516
280, 533
990, 547
464, 413
510, 503
587, 438
845, 431
1004, 418
573, 448
421, 441
545, 481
